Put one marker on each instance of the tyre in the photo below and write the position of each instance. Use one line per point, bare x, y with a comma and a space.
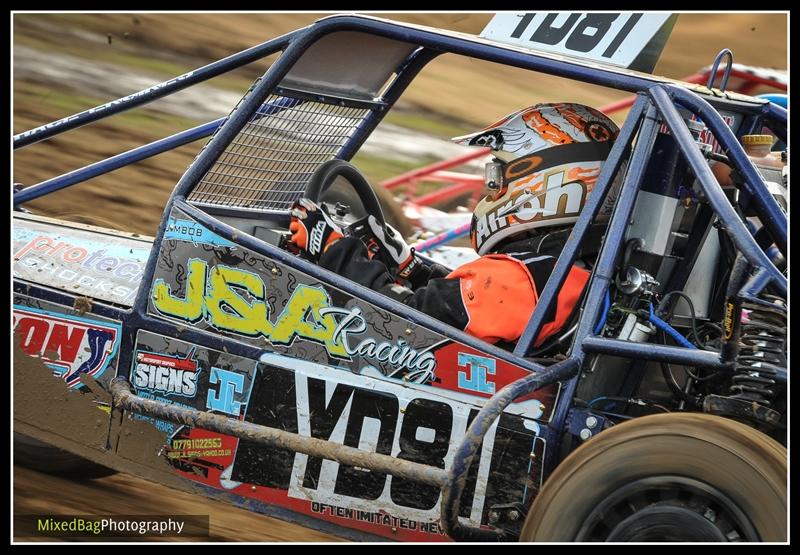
666, 477
34, 454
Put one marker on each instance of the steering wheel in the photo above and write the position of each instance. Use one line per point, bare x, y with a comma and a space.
318, 186
325, 175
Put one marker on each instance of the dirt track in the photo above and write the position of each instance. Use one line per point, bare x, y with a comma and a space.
37, 493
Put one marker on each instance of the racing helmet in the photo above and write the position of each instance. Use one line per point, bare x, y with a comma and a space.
547, 159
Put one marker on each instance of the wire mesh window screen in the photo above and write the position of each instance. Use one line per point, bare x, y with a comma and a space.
270, 161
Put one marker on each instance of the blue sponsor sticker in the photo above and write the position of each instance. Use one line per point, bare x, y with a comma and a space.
228, 384
478, 368
193, 232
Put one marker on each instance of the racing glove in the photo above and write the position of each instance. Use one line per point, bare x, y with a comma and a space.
312, 229
396, 253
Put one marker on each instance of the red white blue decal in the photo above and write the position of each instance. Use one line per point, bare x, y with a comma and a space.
70, 345
165, 374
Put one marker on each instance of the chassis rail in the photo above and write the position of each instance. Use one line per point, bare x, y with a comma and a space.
125, 398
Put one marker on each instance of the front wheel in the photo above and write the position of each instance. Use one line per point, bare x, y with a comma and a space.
666, 478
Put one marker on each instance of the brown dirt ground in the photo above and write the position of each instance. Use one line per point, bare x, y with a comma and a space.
133, 198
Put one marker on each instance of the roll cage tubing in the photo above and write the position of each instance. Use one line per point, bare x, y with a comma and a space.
655, 101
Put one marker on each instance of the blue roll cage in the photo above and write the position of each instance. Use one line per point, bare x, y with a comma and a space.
657, 101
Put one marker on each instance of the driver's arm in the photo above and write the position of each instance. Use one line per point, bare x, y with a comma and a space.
439, 298
314, 232
347, 257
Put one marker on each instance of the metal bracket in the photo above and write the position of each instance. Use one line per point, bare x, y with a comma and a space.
713, 73
585, 424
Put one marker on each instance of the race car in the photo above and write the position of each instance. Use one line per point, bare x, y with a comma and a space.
213, 358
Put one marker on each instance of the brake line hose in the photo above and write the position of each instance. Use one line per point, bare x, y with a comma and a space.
672, 332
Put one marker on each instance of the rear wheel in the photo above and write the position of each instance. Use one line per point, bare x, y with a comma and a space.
32, 453
666, 477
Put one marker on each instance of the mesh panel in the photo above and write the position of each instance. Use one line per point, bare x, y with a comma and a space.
269, 163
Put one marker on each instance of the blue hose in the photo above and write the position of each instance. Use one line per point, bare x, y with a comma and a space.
593, 401
606, 306
672, 332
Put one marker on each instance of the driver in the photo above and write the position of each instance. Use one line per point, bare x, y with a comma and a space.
546, 160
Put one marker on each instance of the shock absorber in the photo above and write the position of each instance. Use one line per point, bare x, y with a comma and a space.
762, 352
755, 349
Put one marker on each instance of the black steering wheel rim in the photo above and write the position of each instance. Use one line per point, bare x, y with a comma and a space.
324, 176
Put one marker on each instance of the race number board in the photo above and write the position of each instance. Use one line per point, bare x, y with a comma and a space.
625, 39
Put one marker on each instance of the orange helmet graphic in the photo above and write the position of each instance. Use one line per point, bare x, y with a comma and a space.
547, 160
